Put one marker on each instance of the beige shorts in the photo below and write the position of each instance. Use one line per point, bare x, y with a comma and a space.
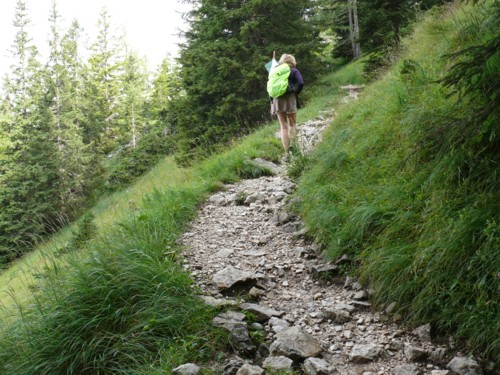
286, 103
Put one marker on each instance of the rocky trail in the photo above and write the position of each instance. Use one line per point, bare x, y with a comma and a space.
247, 252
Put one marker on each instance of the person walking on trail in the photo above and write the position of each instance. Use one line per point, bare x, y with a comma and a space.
286, 106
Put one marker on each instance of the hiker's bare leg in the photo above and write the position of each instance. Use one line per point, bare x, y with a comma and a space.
292, 126
284, 130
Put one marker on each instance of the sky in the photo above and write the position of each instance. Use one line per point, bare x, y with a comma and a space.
150, 26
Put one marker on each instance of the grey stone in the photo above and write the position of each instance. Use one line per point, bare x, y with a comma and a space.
254, 253
437, 355
301, 233
217, 200
324, 270
187, 369
441, 372
361, 295
344, 259
224, 253
261, 313
279, 363
414, 354
465, 366
335, 359
250, 370
357, 286
255, 293
361, 303
407, 370
349, 281
218, 302
252, 198
232, 279
238, 331
423, 332
229, 316
339, 313
257, 327
278, 325
364, 353
301, 251
316, 366
295, 344
234, 364
290, 228
280, 218
269, 165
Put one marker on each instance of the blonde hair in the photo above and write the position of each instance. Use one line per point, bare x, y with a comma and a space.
289, 59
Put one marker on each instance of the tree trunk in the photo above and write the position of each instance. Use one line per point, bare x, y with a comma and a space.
134, 136
357, 46
351, 28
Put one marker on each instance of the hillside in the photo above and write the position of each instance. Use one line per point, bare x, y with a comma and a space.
405, 185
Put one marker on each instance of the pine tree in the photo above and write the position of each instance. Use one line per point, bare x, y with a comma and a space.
166, 88
64, 94
102, 89
29, 176
134, 94
223, 64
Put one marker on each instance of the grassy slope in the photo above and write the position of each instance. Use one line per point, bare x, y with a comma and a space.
425, 232
125, 301
18, 279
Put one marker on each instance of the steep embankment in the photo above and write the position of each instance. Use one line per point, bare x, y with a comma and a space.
407, 183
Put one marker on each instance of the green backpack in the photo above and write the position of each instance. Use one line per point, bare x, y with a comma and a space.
278, 80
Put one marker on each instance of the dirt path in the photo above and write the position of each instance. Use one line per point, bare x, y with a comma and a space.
245, 243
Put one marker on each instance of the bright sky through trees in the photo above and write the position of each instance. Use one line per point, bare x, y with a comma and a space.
150, 26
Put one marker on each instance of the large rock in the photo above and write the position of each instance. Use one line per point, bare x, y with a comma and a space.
250, 370
465, 366
414, 354
364, 353
231, 279
407, 370
316, 366
238, 331
261, 313
254, 197
187, 369
278, 364
295, 344
324, 271
423, 332
339, 313
234, 364
278, 325
437, 355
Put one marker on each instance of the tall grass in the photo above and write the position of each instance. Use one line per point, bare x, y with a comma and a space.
398, 187
21, 277
126, 301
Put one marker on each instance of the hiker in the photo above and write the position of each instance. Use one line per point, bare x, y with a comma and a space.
286, 105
